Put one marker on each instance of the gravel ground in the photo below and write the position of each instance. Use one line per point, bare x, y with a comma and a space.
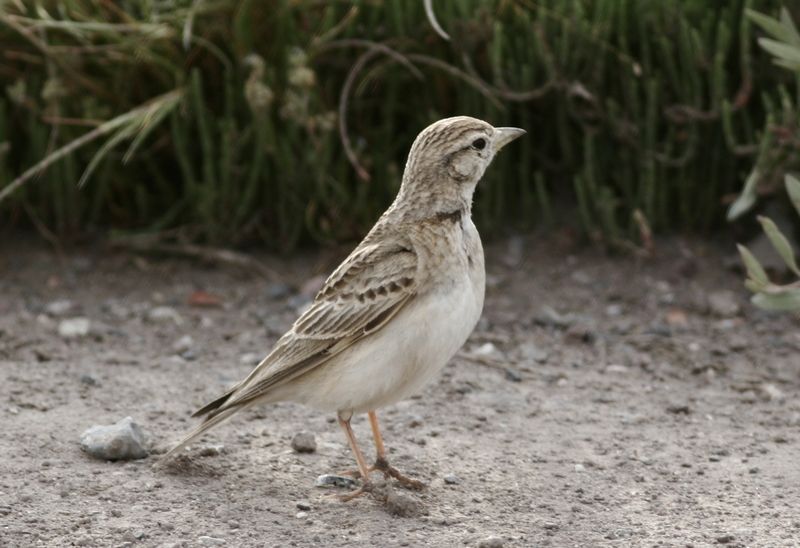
600, 402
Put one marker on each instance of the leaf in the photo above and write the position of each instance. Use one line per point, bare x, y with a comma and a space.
755, 271
789, 54
783, 30
747, 198
792, 34
786, 300
780, 243
793, 188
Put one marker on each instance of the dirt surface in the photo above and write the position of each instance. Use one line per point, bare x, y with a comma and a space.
654, 408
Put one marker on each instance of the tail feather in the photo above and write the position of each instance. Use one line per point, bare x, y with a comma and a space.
215, 405
201, 428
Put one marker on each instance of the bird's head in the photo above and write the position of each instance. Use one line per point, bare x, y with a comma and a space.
449, 157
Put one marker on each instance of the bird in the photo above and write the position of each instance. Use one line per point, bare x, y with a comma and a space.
396, 310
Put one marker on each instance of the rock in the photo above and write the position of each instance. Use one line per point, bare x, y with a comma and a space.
488, 351
491, 542
614, 310
250, 358
304, 442
513, 375
617, 368
73, 328
452, 479
330, 480
547, 316
725, 539
528, 352
770, 392
211, 450
59, 308
164, 314
723, 303
121, 441
303, 505
88, 380
679, 409
183, 344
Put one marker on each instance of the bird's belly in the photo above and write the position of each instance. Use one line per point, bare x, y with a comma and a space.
399, 359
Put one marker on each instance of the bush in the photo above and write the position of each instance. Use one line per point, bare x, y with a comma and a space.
289, 121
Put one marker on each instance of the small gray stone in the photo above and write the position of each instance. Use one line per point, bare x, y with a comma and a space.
304, 442
73, 328
121, 441
330, 480
303, 505
549, 317
58, 308
211, 450
164, 314
723, 303
530, 352
491, 542
513, 375
452, 479
183, 344
88, 380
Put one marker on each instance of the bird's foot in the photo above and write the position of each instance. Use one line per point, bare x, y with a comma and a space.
365, 489
390, 471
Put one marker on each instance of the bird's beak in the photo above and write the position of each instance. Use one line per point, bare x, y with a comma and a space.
504, 135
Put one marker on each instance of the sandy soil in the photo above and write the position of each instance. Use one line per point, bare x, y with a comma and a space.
639, 415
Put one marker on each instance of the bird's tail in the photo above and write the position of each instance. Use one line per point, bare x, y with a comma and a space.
210, 422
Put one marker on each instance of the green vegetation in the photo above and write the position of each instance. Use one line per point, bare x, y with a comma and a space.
784, 45
225, 121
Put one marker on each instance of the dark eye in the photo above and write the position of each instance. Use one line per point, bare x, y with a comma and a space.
479, 144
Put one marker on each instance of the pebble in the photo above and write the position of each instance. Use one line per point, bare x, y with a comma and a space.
770, 392
330, 480
452, 479
121, 441
304, 442
513, 375
723, 303
72, 328
59, 308
725, 539
164, 314
549, 317
88, 380
183, 344
491, 542
211, 450
303, 505
528, 351
617, 368
250, 358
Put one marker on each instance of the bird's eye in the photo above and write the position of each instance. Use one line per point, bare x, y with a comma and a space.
479, 144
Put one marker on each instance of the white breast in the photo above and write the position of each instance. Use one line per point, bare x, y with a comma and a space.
404, 355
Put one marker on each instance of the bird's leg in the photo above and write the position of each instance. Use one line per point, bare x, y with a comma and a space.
382, 464
362, 464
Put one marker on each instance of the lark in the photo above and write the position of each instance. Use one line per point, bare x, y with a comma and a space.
397, 309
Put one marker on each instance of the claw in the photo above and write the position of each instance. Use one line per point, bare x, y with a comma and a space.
390, 471
363, 490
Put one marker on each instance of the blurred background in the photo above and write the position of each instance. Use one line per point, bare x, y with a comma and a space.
284, 123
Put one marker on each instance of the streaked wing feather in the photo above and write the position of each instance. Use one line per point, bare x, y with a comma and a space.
370, 287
